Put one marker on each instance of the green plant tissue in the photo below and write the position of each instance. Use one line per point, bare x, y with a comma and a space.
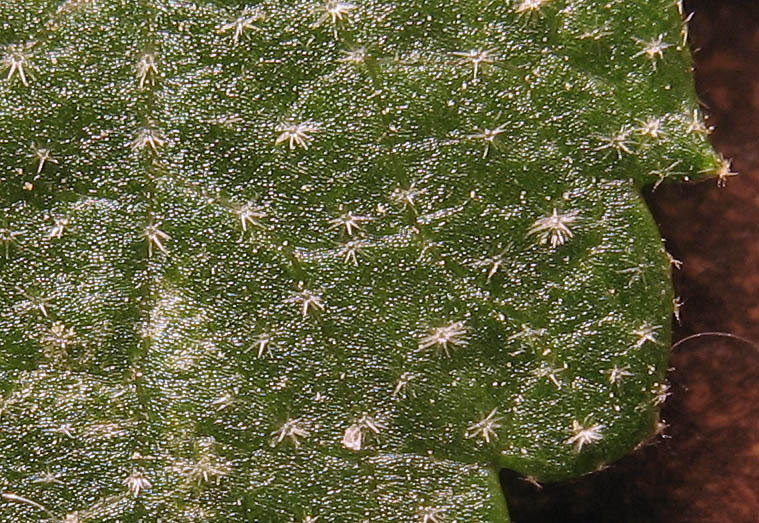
297, 261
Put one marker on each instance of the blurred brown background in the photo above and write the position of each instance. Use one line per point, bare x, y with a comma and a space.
707, 468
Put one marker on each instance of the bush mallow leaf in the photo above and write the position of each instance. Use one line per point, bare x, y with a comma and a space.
342, 261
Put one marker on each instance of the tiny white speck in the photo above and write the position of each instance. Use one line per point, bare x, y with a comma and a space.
651, 128
59, 337
442, 338
226, 120
666, 172
65, 429
548, 371
354, 56
59, 226
16, 61
349, 221
406, 196
155, 238
349, 251
296, 135
493, 264
292, 429
238, 27
431, 514
722, 170
249, 216
309, 301
489, 136
136, 482
677, 264
262, 343
646, 333
334, 12
554, 229
486, 427
223, 402
69, 6
653, 49
597, 33
43, 155
619, 142
617, 374
696, 124
148, 138
530, 6
661, 393
475, 57
209, 467
353, 438
677, 305
583, 435
147, 70
7, 237
402, 385
35, 300
529, 334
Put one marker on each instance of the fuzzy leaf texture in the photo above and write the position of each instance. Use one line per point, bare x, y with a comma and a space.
297, 262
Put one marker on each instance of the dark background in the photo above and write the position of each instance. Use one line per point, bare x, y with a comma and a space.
706, 468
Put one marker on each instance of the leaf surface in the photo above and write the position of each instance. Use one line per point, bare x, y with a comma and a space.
293, 260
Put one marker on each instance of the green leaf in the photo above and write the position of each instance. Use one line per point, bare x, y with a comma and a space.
330, 262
